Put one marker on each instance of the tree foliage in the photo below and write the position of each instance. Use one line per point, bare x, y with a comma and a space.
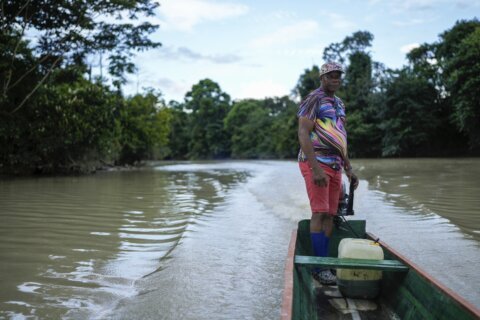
263, 128
284, 128
209, 106
358, 42
52, 118
460, 51
452, 65
307, 82
409, 121
248, 124
179, 138
66, 124
66, 32
145, 126
55, 118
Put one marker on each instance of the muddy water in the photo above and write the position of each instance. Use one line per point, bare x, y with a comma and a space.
208, 240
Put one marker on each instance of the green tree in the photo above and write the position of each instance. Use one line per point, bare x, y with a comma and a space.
307, 82
364, 134
145, 126
263, 128
410, 119
451, 65
179, 138
18, 71
68, 31
52, 118
360, 91
209, 106
284, 127
358, 42
67, 126
460, 55
248, 123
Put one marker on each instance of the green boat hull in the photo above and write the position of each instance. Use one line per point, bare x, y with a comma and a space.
410, 294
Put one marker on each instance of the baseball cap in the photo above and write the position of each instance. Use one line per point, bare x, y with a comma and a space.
330, 67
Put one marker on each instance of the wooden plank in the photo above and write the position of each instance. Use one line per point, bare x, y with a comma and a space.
287, 301
344, 263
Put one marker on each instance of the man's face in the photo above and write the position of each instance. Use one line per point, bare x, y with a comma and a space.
332, 80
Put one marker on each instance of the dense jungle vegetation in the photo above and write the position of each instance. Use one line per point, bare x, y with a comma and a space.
55, 117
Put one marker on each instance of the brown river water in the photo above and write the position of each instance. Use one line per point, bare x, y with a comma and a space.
208, 240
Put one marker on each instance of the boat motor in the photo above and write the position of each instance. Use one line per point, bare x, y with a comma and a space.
345, 204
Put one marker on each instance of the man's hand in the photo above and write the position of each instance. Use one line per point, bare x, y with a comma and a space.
319, 177
352, 178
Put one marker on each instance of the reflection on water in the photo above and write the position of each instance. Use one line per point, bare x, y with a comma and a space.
74, 246
449, 188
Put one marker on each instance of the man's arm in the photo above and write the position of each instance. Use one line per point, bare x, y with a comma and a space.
305, 127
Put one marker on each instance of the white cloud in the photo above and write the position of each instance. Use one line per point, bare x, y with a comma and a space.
415, 5
409, 47
464, 4
338, 21
275, 16
184, 53
261, 89
296, 52
410, 22
409, 4
185, 14
287, 34
419, 4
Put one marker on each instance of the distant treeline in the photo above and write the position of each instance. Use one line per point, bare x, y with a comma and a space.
56, 117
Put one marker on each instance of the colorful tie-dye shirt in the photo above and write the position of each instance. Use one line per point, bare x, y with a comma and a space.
329, 138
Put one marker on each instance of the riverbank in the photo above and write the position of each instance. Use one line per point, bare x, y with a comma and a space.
73, 169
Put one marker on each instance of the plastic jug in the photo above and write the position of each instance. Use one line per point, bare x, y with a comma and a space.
359, 283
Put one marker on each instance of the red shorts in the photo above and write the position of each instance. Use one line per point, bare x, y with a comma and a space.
322, 199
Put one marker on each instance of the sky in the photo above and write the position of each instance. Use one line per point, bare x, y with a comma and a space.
259, 48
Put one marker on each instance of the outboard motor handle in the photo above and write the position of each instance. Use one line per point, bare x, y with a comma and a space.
350, 211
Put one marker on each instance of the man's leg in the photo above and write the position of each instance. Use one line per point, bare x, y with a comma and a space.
317, 233
327, 226
318, 197
335, 186
321, 227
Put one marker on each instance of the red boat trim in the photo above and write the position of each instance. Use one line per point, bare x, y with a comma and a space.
287, 300
464, 303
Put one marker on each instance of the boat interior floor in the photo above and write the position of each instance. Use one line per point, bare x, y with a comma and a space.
331, 305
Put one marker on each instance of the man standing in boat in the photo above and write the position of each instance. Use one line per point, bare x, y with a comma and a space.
323, 153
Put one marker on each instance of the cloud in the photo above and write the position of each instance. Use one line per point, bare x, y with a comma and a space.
408, 4
409, 47
411, 22
183, 53
338, 21
184, 15
286, 34
464, 4
262, 89
424, 5
417, 4
276, 16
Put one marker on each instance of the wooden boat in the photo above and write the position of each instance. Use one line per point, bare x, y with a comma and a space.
407, 292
